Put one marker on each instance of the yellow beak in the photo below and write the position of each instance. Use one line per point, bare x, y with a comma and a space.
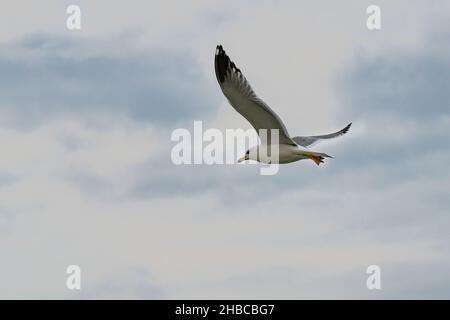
243, 158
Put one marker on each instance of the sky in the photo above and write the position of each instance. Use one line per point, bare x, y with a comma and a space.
86, 176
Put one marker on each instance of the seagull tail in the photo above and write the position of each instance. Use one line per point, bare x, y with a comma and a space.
317, 157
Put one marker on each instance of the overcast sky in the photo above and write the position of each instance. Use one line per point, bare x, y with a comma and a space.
86, 176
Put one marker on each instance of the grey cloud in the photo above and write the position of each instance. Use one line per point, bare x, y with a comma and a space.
7, 179
387, 184
42, 77
417, 279
6, 220
402, 97
404, 84
132, 284
7, 216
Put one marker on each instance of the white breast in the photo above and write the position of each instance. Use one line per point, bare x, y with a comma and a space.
286, 153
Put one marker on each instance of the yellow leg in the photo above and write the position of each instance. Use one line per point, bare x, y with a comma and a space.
317, 159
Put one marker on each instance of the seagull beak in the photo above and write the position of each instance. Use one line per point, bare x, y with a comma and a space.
243, 158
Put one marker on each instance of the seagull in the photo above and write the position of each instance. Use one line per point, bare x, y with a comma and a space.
243, 99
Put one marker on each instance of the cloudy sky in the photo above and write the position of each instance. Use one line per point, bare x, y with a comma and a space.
86, 176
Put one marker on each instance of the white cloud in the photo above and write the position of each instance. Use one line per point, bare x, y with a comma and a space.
104, 194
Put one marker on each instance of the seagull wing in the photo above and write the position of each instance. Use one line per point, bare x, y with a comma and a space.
312, 140
242, 98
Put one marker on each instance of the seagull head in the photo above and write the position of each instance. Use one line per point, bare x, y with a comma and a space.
261, 153
249, 155
245, 157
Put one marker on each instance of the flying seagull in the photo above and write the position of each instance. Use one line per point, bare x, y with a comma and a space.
242, 98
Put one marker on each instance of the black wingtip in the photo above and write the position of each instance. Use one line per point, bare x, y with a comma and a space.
345, 130
221, 63
224, 65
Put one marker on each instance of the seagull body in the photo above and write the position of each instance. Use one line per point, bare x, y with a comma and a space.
243, 99
286, 153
